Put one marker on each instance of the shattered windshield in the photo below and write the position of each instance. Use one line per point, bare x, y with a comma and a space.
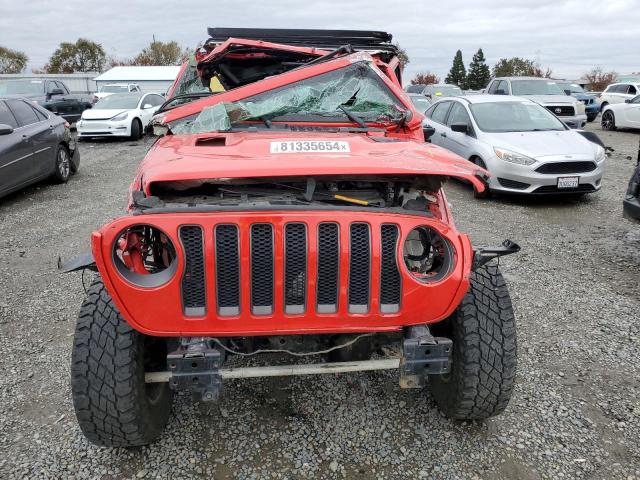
356, 90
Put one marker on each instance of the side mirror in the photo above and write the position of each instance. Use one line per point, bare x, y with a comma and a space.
146, 105
56, 91
567, 92
428, 132
627, 100
5, 129
460, 127
500, 91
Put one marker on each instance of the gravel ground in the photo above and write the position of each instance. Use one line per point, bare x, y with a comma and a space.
575, 412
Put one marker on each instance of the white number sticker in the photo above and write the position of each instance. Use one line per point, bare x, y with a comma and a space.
306, 146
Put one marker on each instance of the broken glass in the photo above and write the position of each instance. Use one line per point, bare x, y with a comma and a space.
357, 88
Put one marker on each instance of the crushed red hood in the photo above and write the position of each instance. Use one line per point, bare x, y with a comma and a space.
251, 155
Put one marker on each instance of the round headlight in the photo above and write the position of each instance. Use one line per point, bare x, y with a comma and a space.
145, 256
427, 254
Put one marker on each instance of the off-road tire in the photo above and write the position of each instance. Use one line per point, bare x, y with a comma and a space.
114, 406
483, 369
136, 129
63, 165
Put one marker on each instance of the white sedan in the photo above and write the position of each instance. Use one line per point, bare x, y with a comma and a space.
119, 115
624, 115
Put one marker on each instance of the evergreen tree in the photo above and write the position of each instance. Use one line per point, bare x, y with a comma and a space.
458, 73
479, 74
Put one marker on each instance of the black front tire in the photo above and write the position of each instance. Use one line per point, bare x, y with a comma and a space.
487, 193
136, 129
483, 331
592, 117
113, 404
63, 165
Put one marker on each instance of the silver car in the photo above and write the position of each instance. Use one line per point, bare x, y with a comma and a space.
525, 147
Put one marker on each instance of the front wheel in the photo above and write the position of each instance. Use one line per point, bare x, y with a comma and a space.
592, 117
136, 129
113, 404
608, 121
487, 193
483, 331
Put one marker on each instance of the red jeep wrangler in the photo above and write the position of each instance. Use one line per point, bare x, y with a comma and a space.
289, 205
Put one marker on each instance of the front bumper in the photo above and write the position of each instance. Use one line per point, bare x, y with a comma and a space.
103, 128
576, 121
520, 179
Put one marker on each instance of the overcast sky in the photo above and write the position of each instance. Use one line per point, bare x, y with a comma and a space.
569, 36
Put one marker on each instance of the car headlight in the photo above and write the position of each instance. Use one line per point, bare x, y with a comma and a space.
513, 157
427, 255
580, 108
120, 116
600, 154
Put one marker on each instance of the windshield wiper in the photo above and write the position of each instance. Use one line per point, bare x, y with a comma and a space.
354, 118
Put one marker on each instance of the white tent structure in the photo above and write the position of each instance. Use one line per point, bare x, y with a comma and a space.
150, 79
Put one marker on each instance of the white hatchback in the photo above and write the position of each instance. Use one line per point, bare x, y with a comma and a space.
119, 115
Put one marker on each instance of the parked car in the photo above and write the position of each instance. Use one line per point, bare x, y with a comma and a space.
618, 93
590, 100
34, 144
624, 115
301, 213
631, 202
111, 88
119, 115
50, 94
420, 101
545, 92
436, 90
524, 146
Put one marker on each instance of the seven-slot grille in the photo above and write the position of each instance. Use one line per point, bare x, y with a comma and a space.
295, 282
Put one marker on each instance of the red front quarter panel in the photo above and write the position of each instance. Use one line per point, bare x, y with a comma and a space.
159, 311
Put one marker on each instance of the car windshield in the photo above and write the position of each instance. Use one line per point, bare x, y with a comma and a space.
114, 89
118, 101
21, 87
447, 91
497, 117
356, 90
421, 103
571, 87
535, 87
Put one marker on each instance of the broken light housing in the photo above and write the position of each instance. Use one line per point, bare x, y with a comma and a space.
145, 256
427, 255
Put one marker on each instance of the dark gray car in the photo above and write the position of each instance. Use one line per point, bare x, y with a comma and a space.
34, 144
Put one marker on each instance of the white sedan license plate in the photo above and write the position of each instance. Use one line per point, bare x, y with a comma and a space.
307, 146
568, 182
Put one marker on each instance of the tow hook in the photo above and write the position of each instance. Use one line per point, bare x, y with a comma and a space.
196, 365
422, 355
483, 255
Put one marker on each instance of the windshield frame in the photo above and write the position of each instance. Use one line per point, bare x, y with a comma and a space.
187, 124
562, 126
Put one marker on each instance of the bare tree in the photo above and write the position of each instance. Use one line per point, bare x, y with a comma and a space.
425, 78
598, 79
12, 61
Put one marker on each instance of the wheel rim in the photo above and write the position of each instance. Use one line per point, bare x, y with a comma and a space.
607, 121
63, 163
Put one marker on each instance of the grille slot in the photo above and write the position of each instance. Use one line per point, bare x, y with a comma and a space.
262, 269
193, 286
295, 267
561, 110
328, 267
359, 268
227, 269
390, 282
566, 167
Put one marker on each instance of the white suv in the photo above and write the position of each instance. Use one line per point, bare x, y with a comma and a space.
618, 93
